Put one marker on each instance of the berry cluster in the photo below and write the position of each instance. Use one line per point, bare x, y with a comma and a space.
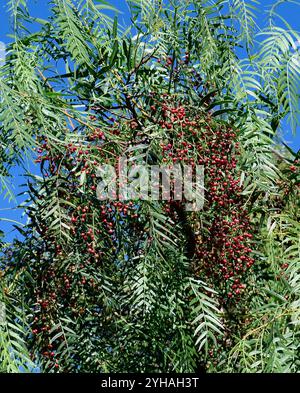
223, 244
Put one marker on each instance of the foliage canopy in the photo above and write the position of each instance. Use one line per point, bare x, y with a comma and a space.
146, 285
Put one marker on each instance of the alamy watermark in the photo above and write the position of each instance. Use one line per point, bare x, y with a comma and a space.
2, 313
131, 181
2, 53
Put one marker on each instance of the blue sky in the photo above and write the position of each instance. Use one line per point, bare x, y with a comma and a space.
39, 8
